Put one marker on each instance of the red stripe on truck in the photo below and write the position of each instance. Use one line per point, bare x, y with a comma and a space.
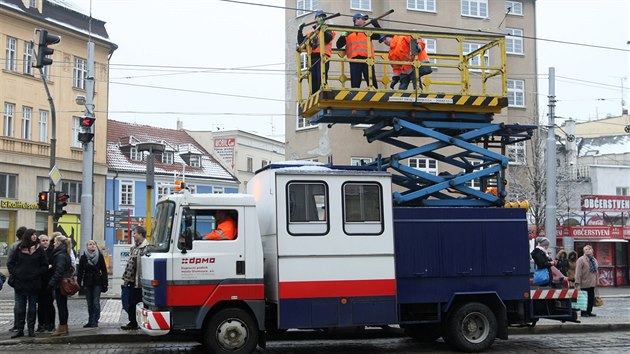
210, 294
337, 288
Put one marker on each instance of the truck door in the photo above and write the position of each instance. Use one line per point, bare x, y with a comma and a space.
204, 273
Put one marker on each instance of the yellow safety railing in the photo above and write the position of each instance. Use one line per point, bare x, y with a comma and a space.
470, 65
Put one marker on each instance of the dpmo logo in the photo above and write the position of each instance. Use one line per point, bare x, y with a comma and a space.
198, 260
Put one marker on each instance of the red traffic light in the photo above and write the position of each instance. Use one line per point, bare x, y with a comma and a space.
87, 122
42, 201
62, 197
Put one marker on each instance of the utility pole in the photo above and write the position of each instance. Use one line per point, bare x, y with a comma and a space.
550, 210
87, 196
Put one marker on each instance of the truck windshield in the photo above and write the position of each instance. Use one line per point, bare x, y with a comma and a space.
163, 224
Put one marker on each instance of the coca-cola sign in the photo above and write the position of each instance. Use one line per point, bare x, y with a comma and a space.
619, 203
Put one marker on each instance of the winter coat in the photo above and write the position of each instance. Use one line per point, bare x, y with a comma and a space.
92, 275
572, 266
27, 266
50, 270
62, 266
583, 276
563, 262
542, 261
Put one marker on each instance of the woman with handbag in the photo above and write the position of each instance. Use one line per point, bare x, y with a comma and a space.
92, 275
542, 262
62, 266
27, 265
586, 278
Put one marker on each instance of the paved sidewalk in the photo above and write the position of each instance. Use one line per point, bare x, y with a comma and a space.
613, 316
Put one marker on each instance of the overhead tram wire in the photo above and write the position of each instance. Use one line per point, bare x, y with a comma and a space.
445, 27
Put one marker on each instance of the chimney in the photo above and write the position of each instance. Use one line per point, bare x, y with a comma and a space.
180, 124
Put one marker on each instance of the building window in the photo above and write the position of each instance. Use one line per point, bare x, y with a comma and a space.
303, 123
516, 153
195, 161
76, 129
303, 61
74, 190
425, 165
218, 190
421, 5
9, 113
431, 48
308, 208
27, 57
516, 93
363, 5
163, 189
362, 209
360, 161
79, 73
475, 8
126, 193
167, 157
622, 190
27, 114
32, 3
8, 185
250, 164
476, 60
306, 6
514, 41
43, 126
514, 8
11, 55
475, 183
134, 154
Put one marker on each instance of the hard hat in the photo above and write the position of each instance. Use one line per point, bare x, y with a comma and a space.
320, 13
359, 15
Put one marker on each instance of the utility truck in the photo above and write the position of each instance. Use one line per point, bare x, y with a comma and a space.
323, 247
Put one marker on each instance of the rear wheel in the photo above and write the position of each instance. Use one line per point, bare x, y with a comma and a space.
232, 331
471, 328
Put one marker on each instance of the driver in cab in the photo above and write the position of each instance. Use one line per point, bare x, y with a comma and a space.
226, 227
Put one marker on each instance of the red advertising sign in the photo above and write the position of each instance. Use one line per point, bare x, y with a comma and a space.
594, 232
225, 148
619, 203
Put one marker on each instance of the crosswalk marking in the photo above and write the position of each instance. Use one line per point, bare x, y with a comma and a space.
110, 313
6, 312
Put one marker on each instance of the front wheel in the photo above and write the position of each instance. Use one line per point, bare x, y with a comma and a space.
471, 328
232, 331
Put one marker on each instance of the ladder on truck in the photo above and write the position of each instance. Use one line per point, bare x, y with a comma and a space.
448, 117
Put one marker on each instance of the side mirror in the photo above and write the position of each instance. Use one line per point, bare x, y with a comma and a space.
185, 240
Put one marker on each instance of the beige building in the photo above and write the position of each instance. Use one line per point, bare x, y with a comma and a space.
242, 153
345, 143
27, 122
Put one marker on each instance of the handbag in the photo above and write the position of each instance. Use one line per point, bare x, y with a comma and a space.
598, 300
582, 301
541, 276
69, 286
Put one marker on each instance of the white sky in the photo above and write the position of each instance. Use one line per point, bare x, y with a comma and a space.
213, 36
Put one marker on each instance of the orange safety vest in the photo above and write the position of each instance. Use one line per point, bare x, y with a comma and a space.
400, 50
315, 44
226, 230
357, 45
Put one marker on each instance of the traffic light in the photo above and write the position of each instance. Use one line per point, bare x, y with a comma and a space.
61, 200
42, 201
45, 39
87, 122
86, 135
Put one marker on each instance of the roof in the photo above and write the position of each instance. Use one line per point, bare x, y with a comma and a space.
62, 13
604, 145
121, 135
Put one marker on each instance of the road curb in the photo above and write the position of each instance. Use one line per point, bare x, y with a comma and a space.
572, 328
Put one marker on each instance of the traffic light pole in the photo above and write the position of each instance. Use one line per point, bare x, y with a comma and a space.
87, 196
53, 150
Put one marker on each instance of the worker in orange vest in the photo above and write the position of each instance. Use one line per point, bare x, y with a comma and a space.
356, 45
226, 227
316, 56
404, 48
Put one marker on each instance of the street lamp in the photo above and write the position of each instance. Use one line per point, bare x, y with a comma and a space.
151, 148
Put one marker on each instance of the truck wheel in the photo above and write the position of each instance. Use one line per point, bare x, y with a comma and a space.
423, 333
471, 328
231, 330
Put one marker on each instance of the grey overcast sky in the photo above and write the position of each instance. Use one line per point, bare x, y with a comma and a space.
220, 65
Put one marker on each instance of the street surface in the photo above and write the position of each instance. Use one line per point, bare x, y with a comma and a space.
608, 343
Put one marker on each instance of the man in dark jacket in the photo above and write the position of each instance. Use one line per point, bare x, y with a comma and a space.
356, 46
316, 50
45, 307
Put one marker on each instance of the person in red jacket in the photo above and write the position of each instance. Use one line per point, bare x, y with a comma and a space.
226, 227
404, 48
316, 58
356, 45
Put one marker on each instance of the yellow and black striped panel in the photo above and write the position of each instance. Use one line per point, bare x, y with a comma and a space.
350, 99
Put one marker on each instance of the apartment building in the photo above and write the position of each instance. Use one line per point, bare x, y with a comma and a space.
27, 124
344, 143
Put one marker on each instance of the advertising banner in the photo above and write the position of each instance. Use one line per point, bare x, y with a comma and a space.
609, 203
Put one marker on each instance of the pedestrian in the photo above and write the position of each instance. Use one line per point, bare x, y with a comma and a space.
92, 276
572, 260
27, 265
586, 278
356, 45
132, 273
18, 238
563, 262
62, 268
45, 299
73, 256
316, 55
225, 229
541, 259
